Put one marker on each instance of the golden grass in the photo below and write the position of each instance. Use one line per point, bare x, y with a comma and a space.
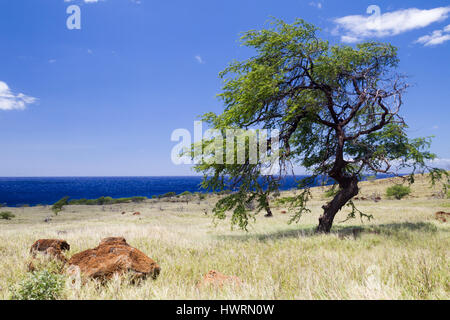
401, 254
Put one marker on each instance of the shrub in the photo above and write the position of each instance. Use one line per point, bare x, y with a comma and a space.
105, 201
201, 196
398, 191
168, 195
58, 206
6, 215
284, 201
41, 285
331, 192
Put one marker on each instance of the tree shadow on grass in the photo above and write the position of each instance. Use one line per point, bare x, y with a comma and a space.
343, 232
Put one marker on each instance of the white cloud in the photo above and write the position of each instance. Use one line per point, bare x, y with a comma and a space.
437, 37
199, 59
440, 163
358, 27
318, 5
11, 101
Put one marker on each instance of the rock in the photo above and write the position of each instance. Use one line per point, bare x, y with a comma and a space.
114, 240
114, 256
217, 279
44, 244
442, 216
51, 247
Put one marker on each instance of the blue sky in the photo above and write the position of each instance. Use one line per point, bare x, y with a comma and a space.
104, 100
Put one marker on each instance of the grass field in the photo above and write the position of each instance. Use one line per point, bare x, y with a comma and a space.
401, 254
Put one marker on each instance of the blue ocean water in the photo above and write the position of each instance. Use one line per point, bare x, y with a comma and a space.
33, 191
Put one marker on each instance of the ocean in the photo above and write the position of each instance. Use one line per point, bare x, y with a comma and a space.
33, 191
42, 190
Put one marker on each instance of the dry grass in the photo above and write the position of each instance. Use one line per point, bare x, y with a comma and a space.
401, 254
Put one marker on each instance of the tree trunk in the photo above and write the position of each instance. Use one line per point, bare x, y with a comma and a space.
269, 212
348, 189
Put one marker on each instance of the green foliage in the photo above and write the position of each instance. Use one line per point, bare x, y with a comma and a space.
59, 205
186, 193
283, 201
200, 195
167, 195
6, 215
40, 285
105, 201
398, 191
336, 109
330, 193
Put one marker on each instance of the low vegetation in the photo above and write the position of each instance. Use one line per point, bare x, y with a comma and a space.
59, 205
40, 285
6, 215
398, 191
402, 253
105, 201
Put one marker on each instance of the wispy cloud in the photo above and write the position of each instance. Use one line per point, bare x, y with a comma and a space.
11, 101
357, 27
199, 59
436, 38
440, 163
318, 5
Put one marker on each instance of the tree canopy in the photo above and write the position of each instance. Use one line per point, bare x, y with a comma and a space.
336, 109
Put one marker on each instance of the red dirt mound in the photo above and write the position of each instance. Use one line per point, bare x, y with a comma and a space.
114, 256
136, 214
217, 279
442, 216
51, 247
44, 244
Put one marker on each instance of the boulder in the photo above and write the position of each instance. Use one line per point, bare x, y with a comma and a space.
216, 279
113, 256
442, 216
43, 244
51, 247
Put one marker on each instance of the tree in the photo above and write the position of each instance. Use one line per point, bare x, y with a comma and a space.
59, 205
336, 109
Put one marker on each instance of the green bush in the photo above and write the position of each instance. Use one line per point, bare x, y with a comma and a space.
6, 215
201, 196
330, 193
284, 201
398, 191
41, 285
59, 205
105, 201
167, 195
